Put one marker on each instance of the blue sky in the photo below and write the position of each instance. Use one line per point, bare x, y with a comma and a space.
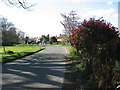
45, 16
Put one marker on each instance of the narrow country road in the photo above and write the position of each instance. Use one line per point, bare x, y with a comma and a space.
44, 69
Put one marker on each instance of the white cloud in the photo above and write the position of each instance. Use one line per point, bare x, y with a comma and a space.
109, 3
77, 1
87, 8
115, 15
98, 13
107, 14
102, 12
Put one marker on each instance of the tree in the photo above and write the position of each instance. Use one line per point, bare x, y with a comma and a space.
26, 40
48, 37
21, 36
19, 3
53, 39
9, 33
0, 38
13, 37
66, 38
45, 38
32, 40
70, 22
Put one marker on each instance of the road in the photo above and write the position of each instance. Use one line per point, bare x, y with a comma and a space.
44, 69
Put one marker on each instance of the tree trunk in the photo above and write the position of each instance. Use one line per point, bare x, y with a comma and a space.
4, 49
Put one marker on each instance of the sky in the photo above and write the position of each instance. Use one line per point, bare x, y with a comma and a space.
45, 17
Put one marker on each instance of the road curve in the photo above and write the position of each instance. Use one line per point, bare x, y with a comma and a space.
44, 69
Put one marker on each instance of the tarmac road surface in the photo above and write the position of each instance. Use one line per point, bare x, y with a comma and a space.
44, 69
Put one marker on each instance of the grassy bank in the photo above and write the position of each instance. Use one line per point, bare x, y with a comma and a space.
18, 51
78, 70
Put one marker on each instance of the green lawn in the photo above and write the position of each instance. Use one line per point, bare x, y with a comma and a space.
19, 51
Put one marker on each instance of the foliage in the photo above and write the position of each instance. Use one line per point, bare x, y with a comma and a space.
26, 40
79, 74
21, 37
45, 38
93, 34
10, 35
97, 44
10, 52
53, 39
65, 39
70, 22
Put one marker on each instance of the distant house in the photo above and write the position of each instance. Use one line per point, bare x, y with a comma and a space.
49, 38
39, 39
60, 38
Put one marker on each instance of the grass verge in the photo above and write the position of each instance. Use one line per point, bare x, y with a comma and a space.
78, 70
78, 74
19, 51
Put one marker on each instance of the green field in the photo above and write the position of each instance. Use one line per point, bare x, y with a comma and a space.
19, 51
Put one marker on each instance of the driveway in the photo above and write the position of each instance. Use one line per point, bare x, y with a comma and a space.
44, 69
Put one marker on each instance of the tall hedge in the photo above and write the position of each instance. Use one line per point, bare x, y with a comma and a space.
98, 41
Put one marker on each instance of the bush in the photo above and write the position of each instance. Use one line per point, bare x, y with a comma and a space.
98, 44
10, 52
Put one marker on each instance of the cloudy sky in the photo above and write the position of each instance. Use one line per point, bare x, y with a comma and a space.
45, 17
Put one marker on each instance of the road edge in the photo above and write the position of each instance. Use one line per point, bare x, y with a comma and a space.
22, 57
67, 84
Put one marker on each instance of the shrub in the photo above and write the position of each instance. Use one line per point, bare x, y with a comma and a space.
92, 35
98, 43
10, 52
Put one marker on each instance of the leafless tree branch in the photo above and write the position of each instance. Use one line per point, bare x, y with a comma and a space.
19, 3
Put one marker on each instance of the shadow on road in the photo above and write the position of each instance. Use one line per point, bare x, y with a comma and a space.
37, 71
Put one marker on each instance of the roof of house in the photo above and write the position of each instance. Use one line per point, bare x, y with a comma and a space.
61, 36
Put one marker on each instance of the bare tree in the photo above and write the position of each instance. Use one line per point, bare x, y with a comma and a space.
70, 22
21, 36
25, 4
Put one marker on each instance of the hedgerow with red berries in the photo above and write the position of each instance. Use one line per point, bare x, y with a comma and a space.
98, 42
